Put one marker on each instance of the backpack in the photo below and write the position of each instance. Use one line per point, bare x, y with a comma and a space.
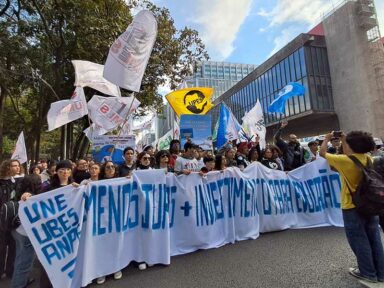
9, 218
369, 195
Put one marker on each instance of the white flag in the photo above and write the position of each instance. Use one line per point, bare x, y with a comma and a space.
65, 111
110, 112
20, 152
145, 125
129, 54
91, 75
253, 124
93, 131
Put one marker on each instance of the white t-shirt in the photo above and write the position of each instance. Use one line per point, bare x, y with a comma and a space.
186, 164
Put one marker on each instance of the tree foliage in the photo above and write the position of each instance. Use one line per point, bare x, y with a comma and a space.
38, 40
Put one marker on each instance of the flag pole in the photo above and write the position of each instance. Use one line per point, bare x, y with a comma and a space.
125, 121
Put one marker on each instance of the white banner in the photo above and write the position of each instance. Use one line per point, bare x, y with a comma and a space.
20, 152
110, 112
253, 124
65, 111
79, 233
91, 75
129, 54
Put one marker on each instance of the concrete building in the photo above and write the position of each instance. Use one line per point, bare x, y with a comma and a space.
341, 64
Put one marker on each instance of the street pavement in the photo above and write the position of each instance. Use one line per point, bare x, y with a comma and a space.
317, 257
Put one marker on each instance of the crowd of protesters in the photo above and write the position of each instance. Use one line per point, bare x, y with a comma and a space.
16, 252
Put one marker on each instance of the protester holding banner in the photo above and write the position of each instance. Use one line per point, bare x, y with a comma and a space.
47, 174
313, 152
220, 162
162, 160
362, 231
25, 254
293, 153
230, 154
62, 178
209, 164
108, 170
242, 155
253, 154
278, 156
94, 171
143, 161
151, 151
81, 172
268, 160
129, 165
174, 150
10, 183
187, 163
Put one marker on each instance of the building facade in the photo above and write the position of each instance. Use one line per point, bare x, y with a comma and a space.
341, 64
219, 75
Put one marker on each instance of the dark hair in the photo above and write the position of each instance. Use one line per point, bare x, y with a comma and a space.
311, 143
31, 183
218, 161
360, 141
251, 152
102, 170
128, 148
160, 154
265, 149
277, 149
173, 142
33, 168
138, 161
189, 145
208, 159
146, 148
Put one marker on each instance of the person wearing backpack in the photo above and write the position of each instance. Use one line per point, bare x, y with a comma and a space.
362, 230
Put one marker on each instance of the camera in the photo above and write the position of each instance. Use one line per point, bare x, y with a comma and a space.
337, 134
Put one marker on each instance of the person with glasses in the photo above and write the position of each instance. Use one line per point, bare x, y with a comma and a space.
162, 160
143, 161
94, 171
108, 170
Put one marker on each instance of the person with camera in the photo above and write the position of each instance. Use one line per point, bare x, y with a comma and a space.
362, 231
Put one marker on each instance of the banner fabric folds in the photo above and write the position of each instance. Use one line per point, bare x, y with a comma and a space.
195, 100
83, 233
129, 54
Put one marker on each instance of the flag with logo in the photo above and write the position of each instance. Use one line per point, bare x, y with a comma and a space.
20, 152
195, 100
253, 124
110, 112
229, 128
129, 54
290, 90
65, 111
89, 74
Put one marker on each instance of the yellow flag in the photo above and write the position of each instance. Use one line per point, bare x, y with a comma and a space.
195, 100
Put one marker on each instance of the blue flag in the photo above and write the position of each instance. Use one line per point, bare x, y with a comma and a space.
290, 90
228, 128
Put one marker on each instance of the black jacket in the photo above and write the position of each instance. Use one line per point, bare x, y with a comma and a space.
293, 154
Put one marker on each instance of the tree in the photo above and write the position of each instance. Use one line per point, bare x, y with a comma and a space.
38, 40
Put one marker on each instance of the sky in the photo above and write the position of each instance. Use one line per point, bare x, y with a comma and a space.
250, 31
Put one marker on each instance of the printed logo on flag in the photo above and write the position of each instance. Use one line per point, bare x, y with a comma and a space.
194, 101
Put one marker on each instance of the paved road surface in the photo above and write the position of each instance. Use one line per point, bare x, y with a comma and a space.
307, 258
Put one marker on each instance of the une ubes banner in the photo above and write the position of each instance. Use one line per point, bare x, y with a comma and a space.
83, 233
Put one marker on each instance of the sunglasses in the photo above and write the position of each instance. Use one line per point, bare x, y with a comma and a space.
146, 158
164, 155
110, 167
